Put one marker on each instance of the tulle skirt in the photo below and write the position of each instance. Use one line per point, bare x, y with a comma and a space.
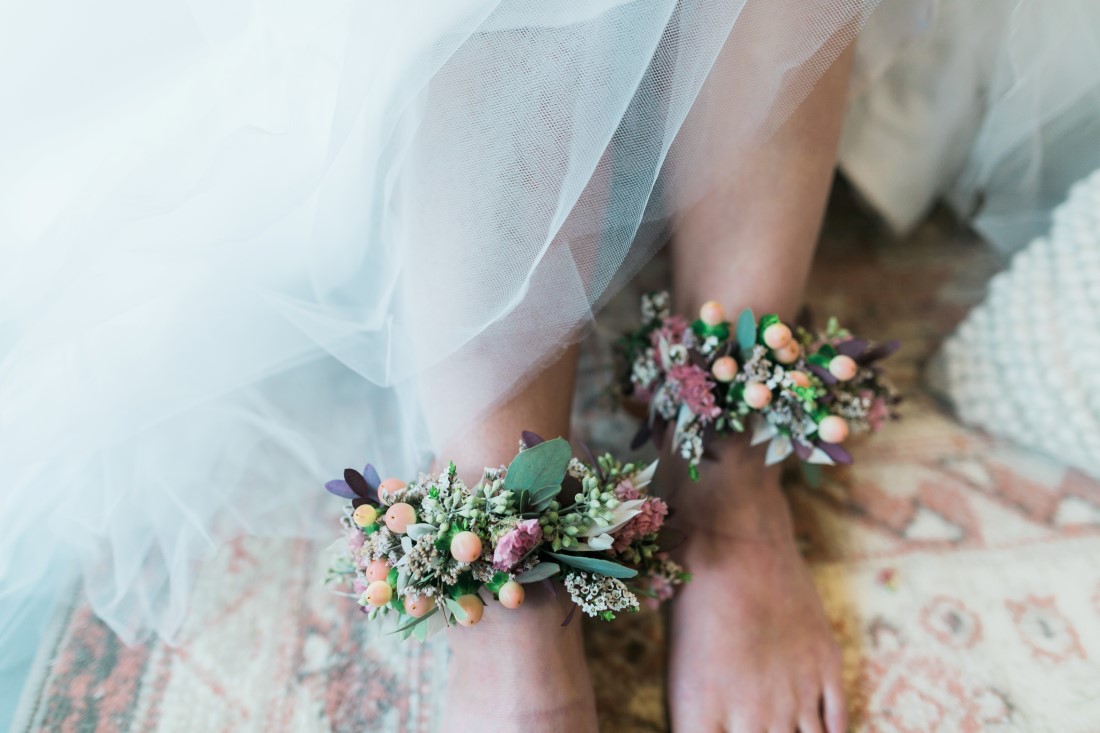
245, 245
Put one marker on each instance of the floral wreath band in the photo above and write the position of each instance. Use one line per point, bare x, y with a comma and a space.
802, 392
435, 552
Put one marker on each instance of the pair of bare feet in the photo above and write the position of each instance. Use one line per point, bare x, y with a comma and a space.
750, 646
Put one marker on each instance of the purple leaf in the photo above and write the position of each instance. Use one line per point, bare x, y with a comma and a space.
822, 373
592, 460
802, 450
834, 451
660, 427
569, 618
357, 483
852, 347
373, 479
640, 437
879, 352
340, 488
530, 439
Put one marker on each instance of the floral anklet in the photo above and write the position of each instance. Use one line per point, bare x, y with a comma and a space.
434, 551
802, 392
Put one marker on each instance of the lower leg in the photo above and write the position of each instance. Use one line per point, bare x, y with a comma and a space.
519, 671
752, 649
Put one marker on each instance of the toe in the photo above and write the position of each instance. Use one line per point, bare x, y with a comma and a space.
835, 708
810, 723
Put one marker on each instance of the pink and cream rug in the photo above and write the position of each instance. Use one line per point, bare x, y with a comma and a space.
962, 574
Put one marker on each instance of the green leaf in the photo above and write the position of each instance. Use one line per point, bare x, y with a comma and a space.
464, 585
416, 531
541, 498
720, 331
414, 622
746, 330
443, 539
458, 611
391, 577
595, 565
540, 466
496, 582
542, 571
766, 320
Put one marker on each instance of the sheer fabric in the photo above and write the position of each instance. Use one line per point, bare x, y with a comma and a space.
993, 106
247, 244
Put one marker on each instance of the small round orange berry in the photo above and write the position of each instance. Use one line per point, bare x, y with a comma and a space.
416, 605
473, 607
391, 485
800, 379
379, 593
788, 354
777, 335
833, 429
399, 516
511, 594
378, 570
843, 367
465, 547
364, 515
757, 395
724, 368
712, 313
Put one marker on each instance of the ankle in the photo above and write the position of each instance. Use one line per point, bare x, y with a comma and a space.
737, 498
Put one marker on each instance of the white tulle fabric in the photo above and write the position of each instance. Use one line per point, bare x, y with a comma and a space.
992, 105
247, 244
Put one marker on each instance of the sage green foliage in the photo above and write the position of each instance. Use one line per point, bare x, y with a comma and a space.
593, 507
535, 475
595, 565
746, 332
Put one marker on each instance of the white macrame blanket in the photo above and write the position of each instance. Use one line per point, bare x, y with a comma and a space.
1025, 364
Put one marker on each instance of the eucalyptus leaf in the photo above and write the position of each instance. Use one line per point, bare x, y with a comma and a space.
595, 565
541, 498
458, 611
402, 580
542, 465
746, 330
542, 571
414, 622
416, 531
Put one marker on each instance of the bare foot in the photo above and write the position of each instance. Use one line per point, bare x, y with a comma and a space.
520, 671
751, 648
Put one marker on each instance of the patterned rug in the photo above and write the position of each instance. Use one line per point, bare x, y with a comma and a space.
961, 573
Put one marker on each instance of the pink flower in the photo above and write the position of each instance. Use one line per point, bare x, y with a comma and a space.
355, 540
695, 390
515, 543
652, 517
671, 330
661, 587
878, 413
626, 491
